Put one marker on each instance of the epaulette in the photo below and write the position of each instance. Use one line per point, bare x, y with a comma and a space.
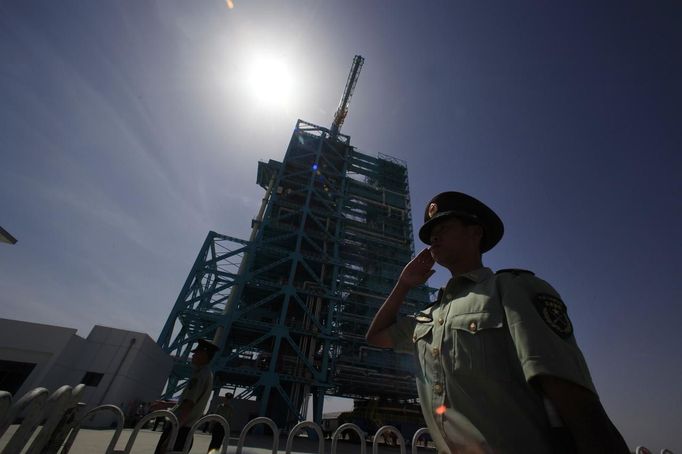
515, 271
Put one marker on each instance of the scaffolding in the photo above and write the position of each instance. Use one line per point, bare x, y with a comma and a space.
290, 306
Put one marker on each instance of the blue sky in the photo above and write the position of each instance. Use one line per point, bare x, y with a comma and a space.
128, 129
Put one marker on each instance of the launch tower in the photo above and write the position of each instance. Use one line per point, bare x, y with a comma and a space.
290, 306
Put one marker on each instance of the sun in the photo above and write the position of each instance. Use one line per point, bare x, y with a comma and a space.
270, 80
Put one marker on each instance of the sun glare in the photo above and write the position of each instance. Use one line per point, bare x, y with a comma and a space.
270, 81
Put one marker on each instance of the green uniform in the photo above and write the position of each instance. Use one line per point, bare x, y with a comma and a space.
198, 391
477, 348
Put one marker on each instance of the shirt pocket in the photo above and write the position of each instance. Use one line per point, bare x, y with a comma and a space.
481, 345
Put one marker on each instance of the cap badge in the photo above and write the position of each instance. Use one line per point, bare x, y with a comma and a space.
433, 209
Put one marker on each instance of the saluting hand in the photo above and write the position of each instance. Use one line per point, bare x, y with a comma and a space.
415, 273
418, 271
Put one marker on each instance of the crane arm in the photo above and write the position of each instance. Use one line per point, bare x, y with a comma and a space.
342, 110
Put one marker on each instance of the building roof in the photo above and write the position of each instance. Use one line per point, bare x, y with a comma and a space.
5, 237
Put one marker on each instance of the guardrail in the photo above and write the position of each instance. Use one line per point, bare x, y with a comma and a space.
55, 412
60, 415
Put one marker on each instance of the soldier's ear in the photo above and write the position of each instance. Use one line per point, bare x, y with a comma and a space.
478, 234
478, 231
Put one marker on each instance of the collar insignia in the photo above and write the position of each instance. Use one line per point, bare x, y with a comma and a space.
423, 318
433, 209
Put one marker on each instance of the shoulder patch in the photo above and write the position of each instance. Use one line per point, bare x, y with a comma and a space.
515, 271
554, 314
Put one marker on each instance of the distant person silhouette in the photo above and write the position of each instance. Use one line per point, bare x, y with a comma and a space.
194, 398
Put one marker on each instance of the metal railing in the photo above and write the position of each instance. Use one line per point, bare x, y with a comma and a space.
60, 415
54, 412
119, 419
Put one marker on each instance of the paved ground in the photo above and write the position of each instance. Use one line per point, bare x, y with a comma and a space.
96, 441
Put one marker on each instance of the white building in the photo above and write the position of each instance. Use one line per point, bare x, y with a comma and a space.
117, 366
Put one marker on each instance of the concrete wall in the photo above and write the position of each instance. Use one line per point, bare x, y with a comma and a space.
28, 342
134, 368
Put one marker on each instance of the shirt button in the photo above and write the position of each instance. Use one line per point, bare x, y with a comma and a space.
473, 326
435, 352
438, 388
441, 321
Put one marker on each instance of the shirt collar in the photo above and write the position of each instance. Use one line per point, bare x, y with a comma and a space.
478, 275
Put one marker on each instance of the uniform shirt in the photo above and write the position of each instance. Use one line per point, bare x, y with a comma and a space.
198, 390
477, 348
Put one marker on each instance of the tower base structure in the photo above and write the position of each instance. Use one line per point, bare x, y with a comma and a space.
290, 306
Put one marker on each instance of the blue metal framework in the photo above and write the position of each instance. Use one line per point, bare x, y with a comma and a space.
290, 306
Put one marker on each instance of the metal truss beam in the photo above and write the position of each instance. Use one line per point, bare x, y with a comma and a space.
289, 307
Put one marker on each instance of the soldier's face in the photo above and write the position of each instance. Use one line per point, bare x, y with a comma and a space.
452, 241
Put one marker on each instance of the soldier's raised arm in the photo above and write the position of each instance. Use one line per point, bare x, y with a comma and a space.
415, 273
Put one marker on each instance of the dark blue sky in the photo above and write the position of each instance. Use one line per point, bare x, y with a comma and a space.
128, 130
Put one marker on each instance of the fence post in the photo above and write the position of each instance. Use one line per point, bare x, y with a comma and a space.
32, 401
375, 443
5, 408
206, 419
66, 425
32, 406
302, 425
344, 427
260, 420
114, 439
415, 438
57, 405
167, 414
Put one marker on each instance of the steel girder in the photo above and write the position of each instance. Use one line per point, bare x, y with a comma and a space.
289, 307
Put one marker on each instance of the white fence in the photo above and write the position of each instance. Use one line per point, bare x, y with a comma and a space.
61, 416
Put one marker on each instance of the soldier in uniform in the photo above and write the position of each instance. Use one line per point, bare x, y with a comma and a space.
194, 398
498, 367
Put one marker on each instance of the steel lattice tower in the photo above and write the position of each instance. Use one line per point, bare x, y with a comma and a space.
290, 306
